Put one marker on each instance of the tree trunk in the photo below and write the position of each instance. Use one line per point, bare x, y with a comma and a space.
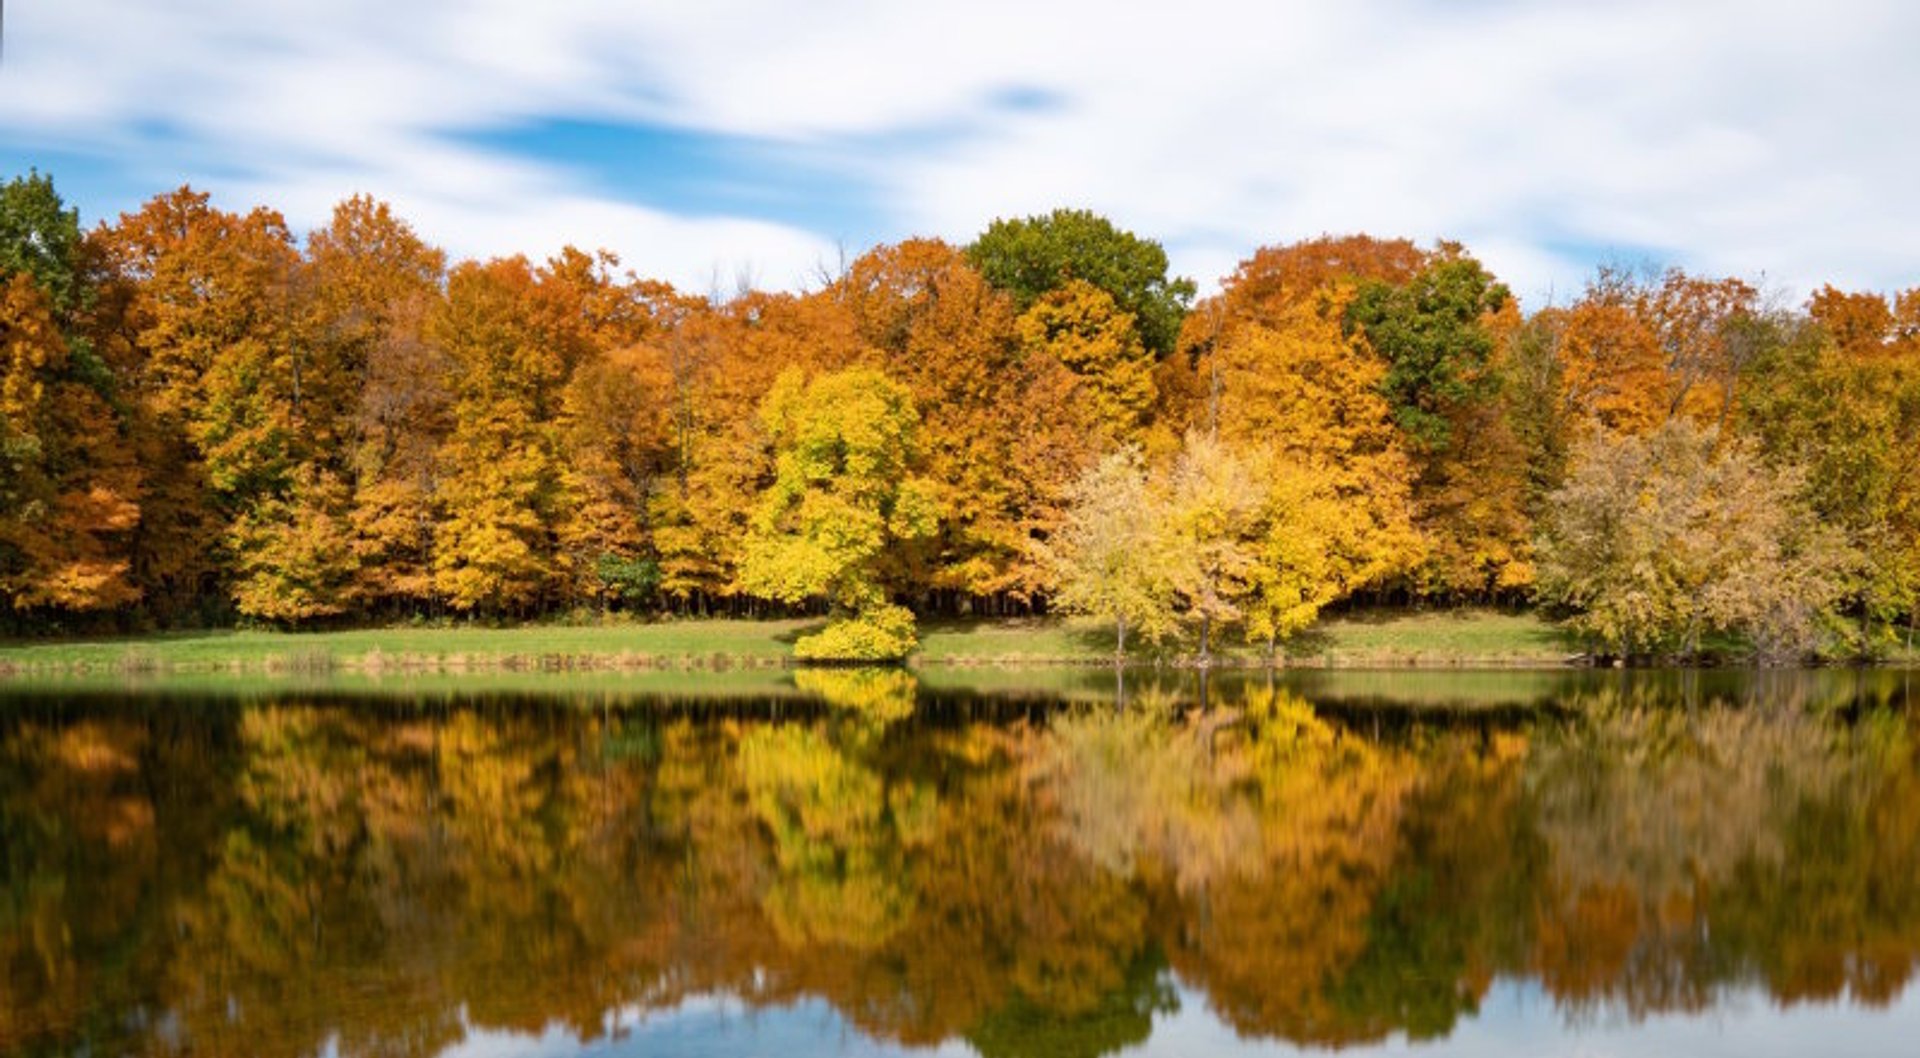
1120, 639
1206, 627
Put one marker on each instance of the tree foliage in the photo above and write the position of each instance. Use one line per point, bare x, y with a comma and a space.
205, 417
1662, 540
1108, 555
844, 493
1034, 256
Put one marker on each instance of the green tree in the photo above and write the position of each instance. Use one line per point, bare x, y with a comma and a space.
40, 235
846, 450
1034, 256
1431, 331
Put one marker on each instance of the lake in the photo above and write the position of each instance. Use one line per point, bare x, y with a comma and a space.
990, 862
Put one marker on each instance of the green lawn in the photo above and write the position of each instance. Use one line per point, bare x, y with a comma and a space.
666, 643
1389, 638
1435, 637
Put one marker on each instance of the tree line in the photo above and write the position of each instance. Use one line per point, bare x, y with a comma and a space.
205, 418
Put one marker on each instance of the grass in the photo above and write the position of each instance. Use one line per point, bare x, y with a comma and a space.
1379, 639
1384, 638
667, 644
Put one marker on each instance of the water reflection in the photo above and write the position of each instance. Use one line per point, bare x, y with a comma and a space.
1327, 859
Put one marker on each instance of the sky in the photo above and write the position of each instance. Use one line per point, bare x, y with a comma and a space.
719, 142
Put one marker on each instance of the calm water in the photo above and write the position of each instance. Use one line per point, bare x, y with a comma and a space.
999, 864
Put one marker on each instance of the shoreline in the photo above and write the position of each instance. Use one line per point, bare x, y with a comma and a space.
1409, 640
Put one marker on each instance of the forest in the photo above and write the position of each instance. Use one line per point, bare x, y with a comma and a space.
207, 419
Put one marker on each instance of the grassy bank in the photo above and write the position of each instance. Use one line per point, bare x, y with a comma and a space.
1455, 638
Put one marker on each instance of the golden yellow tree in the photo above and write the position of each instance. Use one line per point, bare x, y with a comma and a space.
844, 492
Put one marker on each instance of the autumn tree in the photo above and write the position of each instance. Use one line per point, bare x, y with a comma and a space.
1303, 399
1697, 322
1841, 396
1108, 553
1657, 541
69, 482
1211, 510
844, 492
69, 487
1616, 369
1001, 434
1082, 327
501, 492
719, 361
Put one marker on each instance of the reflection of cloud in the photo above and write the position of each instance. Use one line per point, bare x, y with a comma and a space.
1733, 136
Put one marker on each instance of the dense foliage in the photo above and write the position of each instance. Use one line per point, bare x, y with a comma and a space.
205, 418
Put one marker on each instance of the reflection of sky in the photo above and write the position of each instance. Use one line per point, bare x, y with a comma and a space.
1515, 1019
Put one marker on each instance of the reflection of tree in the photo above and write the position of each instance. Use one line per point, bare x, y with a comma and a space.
1696, 849
1452, 912
268, 879
82, 857
1275, 830
1117, 1019
882, 695
836, 852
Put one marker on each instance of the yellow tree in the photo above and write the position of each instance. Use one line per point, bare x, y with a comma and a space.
1304, 399
500, 491
1842, 398
1079, 325
1211, 515
720, 363
293, 555
1107, 555
844, 492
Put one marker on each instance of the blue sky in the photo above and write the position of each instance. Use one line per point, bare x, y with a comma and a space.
707, 142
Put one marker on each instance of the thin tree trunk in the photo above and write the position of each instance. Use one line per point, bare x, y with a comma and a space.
1120, 639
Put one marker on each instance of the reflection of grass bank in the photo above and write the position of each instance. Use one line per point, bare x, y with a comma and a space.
1444, 639
1383, 638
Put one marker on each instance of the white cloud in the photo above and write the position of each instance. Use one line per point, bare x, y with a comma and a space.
1730, 137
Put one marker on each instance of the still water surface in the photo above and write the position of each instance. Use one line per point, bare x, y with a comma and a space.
848, 863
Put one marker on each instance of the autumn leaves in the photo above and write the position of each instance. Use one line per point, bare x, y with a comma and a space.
202, 419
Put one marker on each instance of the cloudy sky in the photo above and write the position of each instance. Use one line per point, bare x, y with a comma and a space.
708, 140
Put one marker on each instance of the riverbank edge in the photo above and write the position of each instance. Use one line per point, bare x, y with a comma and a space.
1438, 640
